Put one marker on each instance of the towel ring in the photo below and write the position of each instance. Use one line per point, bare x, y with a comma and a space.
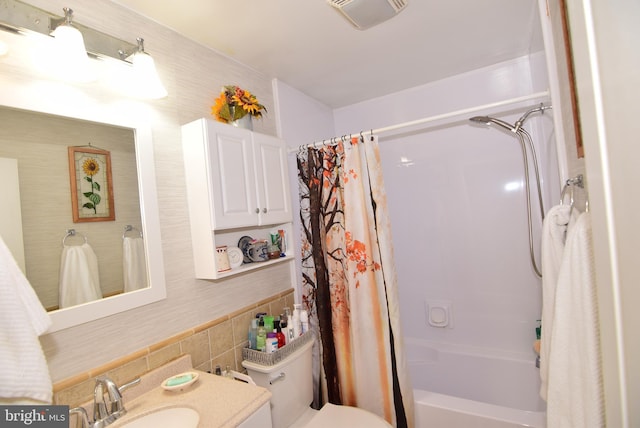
72, 232
129, 228
567, 187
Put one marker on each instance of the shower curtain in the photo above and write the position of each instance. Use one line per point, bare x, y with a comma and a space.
349, 281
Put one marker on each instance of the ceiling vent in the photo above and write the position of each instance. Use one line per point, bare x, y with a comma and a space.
367, 13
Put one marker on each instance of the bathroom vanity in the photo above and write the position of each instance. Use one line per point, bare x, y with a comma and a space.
219, 402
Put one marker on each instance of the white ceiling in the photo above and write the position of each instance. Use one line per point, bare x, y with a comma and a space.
311, 47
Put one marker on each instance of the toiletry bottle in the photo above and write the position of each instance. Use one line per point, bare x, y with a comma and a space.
304, 321
288, 331
218, 370
283, 243
261, 338
272, 343
281, 339
268, 323
253, 333
284, 322
296, 321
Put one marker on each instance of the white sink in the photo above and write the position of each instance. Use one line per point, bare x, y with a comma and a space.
183, 417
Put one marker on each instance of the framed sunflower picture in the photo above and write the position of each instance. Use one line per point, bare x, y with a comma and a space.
91, 184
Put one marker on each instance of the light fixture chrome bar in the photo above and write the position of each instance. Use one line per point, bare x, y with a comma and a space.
22, 18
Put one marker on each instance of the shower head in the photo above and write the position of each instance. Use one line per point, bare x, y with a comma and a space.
489, 120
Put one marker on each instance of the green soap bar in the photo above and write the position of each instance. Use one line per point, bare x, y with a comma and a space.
178, 380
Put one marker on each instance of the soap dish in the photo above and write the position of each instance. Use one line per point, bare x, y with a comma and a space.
180, 382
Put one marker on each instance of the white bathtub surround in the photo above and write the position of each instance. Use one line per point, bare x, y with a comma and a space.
467, 386
489, 375
446, 411
575, 391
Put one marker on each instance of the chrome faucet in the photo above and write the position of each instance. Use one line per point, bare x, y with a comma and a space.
107, 411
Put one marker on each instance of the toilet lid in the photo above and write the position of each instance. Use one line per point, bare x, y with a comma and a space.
345, 417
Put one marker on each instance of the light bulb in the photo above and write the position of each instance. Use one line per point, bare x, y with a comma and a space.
147, 82
71, 60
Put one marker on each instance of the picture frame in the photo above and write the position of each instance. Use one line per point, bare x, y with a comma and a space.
91, 184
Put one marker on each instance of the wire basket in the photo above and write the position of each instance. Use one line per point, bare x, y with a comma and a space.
270, 359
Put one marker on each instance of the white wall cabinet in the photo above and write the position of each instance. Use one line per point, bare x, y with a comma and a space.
237, 185
245, 173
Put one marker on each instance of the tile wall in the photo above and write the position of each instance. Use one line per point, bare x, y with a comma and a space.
219, 341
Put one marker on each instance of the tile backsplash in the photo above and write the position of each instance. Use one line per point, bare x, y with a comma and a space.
217, 342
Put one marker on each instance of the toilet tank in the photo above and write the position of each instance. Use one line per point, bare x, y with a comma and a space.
290, 382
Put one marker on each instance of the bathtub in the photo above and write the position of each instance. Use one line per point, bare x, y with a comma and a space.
461, 387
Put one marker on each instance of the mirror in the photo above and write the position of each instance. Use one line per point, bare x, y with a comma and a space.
40, 143
55, 261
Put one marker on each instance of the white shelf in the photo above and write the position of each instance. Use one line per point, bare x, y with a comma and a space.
248, 267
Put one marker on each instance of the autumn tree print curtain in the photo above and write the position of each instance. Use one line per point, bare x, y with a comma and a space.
349, 281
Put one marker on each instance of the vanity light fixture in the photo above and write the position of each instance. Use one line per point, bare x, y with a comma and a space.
146, 82
85, 50
71, 60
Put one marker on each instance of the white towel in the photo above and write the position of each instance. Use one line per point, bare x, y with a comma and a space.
79, 276
134, 265
24, 375
575, 389
554, 232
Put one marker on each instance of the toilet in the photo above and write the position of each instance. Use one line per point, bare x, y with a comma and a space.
291, 385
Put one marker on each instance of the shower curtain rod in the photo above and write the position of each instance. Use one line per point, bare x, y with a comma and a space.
434, 118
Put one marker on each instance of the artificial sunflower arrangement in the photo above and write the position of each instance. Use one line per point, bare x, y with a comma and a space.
235, 103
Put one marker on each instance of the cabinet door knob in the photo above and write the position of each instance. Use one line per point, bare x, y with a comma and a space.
257, 210
264, 210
